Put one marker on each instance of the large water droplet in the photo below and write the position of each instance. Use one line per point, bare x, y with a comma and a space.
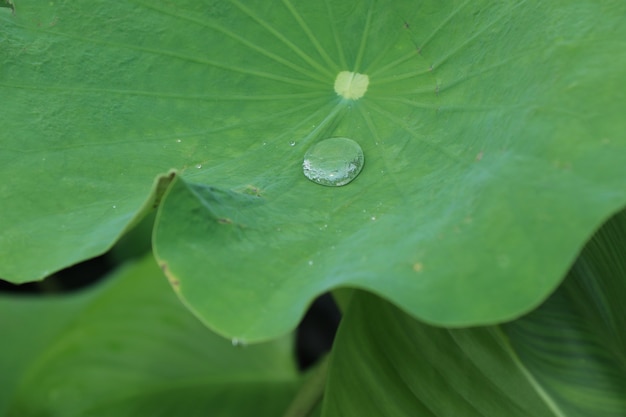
333, 162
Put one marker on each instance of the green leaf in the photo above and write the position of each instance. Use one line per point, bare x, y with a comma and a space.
128, 348
575, 344
387, 363
565, 359
492, 133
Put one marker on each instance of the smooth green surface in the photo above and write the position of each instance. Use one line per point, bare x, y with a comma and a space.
128, 348
493, 131
565, 359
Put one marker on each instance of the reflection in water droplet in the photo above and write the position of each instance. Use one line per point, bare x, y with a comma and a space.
292, 143
333, 162
199, 166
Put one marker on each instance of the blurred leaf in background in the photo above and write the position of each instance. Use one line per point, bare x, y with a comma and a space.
129, 348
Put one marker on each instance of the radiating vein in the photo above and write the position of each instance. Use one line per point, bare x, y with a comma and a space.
412, 54
416, 104
194, 59
243, 41
322, 124
418, 91
370, 125
393, 64
282, 38
173, 96
382, 57
307, 120
399, 77
310, 34
471, 39
448, 107
364, 37
443, 24
205, 132
449, 85
399, 122
331, 18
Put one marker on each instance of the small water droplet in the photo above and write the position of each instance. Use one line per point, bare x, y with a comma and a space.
373, 218
114, 206
292, 143
238, 342
178, 140
310, 263
199, 166
264, 143
333, 162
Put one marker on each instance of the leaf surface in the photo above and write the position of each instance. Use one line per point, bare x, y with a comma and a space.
565, 359
492, 133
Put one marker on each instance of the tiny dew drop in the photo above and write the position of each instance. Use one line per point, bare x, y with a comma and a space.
292, 143
333, 162
238, 342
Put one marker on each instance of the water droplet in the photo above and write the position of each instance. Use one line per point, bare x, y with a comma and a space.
178, 140
292, 143
373, 218
333, 162
238, 342
310, 263
199, 166
114, 206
